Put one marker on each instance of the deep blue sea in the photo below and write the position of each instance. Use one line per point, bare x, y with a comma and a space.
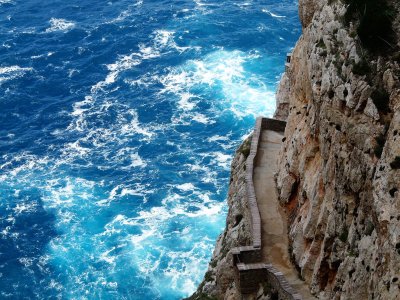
118, 122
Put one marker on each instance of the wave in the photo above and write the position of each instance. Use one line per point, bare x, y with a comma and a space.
223, 72
12, 72
6, 2
60, 25
133, 123
272, 14
162, 42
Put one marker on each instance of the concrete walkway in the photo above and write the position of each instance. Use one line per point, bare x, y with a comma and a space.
273, 218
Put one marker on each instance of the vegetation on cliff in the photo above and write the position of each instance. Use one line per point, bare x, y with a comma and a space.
374, 20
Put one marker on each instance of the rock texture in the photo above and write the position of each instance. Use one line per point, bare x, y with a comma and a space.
337, 171
339, 166
219, 281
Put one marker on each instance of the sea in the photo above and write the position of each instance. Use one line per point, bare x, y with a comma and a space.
118, 123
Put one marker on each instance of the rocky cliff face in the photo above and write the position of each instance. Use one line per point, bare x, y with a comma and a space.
219, 281
339, 169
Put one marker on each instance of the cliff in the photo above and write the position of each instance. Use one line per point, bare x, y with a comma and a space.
219, 281
339, 167
338, 170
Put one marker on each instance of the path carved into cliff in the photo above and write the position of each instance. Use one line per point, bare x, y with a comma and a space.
274, 237
266, 260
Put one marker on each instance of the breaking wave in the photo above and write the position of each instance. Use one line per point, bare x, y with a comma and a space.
118, 122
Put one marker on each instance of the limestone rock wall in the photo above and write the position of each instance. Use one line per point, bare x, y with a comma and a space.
219, 281
338, 176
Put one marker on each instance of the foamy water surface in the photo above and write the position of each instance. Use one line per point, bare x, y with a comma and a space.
118, 122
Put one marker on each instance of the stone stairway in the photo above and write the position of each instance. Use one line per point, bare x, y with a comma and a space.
273, 219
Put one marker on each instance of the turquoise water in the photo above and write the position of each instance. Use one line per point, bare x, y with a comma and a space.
118, 122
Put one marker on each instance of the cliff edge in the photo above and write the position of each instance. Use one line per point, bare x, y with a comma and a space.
339, 166
220, 279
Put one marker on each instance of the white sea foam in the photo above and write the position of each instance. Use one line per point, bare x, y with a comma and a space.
25, 207
244, 5
136, 161
37, 56
165, 39
134, 192
147, 52
272, 14
125, 62
202, 211
26, 261
199, 3
143, 81
162, 42
186, 187
105, 256
6, 2
121, 17
23, 163
148, 254
12, 72
184, 102
138, 239
76, 149
134, 127
202, 119
203, 7
242, 92
96, 140
60, 25
81, 106
216, 138
222, 160
126, 13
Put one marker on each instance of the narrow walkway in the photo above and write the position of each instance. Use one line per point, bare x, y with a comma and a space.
273, 219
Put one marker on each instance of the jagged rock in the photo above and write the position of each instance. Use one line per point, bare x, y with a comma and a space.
286, 186
219, 281
307, 9
345, 209
389, 80
371, 110
283, 103
338, 170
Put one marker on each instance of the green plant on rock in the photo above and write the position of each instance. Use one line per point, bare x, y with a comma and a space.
245, 147
213, 263
374, 19
208, 276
